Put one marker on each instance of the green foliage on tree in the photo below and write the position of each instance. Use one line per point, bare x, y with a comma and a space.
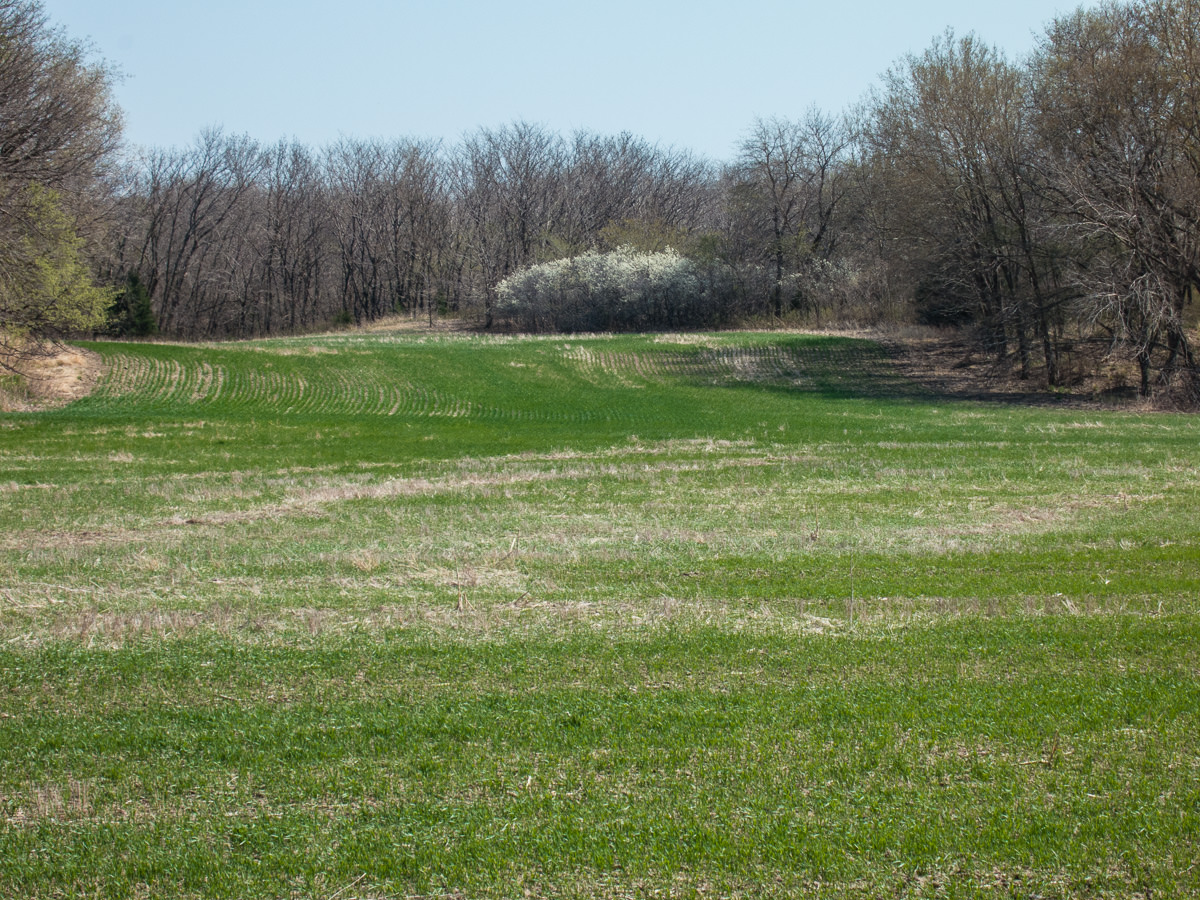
132, 312
46, 287
58, 128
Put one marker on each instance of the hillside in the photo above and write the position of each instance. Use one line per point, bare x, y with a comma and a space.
387, 615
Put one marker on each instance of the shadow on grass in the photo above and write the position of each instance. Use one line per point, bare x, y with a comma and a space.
851, 368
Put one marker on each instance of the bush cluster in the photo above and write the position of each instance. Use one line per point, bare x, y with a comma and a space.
619, 290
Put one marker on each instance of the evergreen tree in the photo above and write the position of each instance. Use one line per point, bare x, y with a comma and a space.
132, 312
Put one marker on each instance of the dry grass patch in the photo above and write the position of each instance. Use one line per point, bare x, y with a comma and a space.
38, 803
55, 377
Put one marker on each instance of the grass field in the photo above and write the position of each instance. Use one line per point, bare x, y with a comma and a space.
687, 616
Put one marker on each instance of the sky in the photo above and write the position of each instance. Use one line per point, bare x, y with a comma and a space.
691, 74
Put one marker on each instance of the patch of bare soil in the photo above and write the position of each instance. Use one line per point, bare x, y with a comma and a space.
51, 379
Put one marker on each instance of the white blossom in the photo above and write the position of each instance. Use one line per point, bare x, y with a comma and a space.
620, 290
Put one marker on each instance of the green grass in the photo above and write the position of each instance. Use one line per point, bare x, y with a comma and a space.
723, 615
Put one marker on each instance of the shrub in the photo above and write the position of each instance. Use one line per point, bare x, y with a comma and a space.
621, 290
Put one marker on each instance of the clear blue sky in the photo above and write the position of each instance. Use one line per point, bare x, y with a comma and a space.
688, 73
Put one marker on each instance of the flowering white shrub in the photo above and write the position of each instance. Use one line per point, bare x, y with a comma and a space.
622, 290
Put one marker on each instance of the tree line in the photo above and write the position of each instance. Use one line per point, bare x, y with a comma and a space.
59, 132
1048, 205
235, 239
232, 238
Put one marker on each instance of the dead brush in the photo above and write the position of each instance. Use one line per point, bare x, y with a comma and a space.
465, 582
50, 802
366, 559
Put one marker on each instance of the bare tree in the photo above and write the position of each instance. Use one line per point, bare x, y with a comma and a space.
390, 222
417, 222
785, 189
186, 210
1118, 96
605, 183
950, 143
509, 197
58, 121
294, 255
354, 170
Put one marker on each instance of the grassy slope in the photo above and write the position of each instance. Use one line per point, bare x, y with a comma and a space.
375, 616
